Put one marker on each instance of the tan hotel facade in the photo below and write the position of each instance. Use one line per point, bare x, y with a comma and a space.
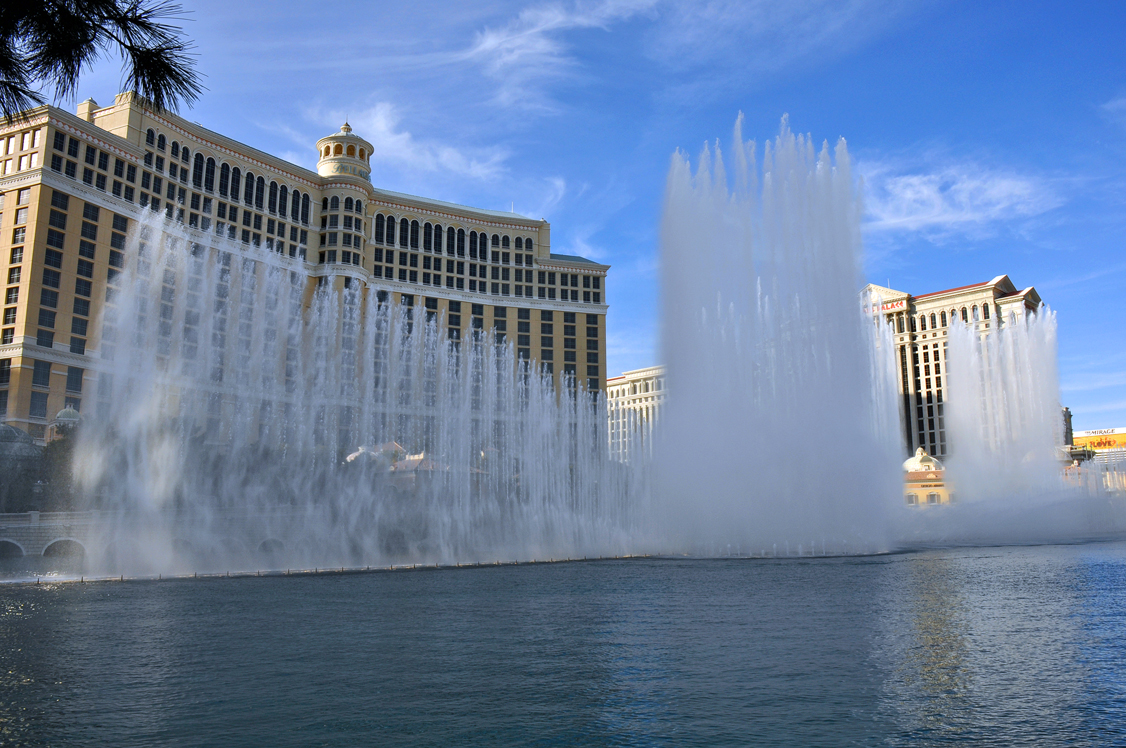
919, 326
73, 186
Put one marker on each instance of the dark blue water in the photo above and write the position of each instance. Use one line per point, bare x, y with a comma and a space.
1023, 646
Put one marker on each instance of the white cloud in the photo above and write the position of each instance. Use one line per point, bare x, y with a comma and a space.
953, 198
529, 50
380, 125
1115, 110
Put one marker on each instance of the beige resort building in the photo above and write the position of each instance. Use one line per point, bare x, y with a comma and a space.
919, 328
634, 403
72, 187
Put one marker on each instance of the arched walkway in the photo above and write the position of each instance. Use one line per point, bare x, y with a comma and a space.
271, 545
10, 549
64, 547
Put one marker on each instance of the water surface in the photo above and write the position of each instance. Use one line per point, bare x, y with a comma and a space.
1013, 646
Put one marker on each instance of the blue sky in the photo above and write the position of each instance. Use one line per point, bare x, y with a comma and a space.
991, 136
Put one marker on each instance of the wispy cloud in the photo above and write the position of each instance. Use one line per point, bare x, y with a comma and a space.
529, 50
397, 147
951, 198
1115, 110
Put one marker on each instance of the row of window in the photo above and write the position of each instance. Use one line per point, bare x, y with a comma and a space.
939, 319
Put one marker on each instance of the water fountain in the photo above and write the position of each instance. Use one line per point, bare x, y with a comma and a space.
779, 434
242, 424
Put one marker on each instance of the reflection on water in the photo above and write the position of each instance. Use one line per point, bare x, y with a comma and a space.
987, 647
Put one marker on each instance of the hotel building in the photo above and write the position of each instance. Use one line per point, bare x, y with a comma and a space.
919, 328
634, 403
72, 188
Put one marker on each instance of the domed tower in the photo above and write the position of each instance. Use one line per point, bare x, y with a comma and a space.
344, 153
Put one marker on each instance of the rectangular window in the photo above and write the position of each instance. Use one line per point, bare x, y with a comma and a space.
71, 169
10, 315
12, 296
51, 278
78, 346
45, 339
78, 326
82, 306
38, 405
46, 318
89, 231
18, 235
86, 268
74, 379
83, 287
14, 275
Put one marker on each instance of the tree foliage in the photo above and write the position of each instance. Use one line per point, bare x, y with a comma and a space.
50, 43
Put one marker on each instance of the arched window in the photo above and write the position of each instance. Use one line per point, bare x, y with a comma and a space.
305, 209
934, 322
283, 199
351, 150
527, 245
324, 205
185, 154
427, 237
197, 171
912, 499
496, 240
473, 244
224, 179
391, 230
965, 317
209, 175
150, 137
985, 310
932, 498
347, 203
337, 150
334, 203
273, 204
460, 242
248, 188
504, 242
379, 227
943, 317
414, 234
259, 192
161, 142
911, 324
295, 212
363, 153
975, 312
519, 243
175, 149
438, 238
328, 151
923, 322
236, 183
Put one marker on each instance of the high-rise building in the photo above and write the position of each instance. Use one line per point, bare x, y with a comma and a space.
634, 402
919, 329
72, 188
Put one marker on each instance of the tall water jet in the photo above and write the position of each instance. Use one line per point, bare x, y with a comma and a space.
1008, 466
779, 436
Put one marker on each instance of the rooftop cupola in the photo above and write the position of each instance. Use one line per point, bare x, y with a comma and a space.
344, 153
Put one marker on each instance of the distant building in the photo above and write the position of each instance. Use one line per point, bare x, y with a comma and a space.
634, 403
1105, 443
919, 326
924, 481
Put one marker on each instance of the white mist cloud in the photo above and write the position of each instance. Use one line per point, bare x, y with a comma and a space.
529, 50
953, 198
397, 147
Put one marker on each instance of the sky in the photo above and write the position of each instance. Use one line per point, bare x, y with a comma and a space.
990, 137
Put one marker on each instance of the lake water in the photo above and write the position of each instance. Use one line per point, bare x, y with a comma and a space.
997, 646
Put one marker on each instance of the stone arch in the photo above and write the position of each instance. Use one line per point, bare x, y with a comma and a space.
338, 149
351, 150
328, 151
64, 547
11, 549
363, 153
271, 545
